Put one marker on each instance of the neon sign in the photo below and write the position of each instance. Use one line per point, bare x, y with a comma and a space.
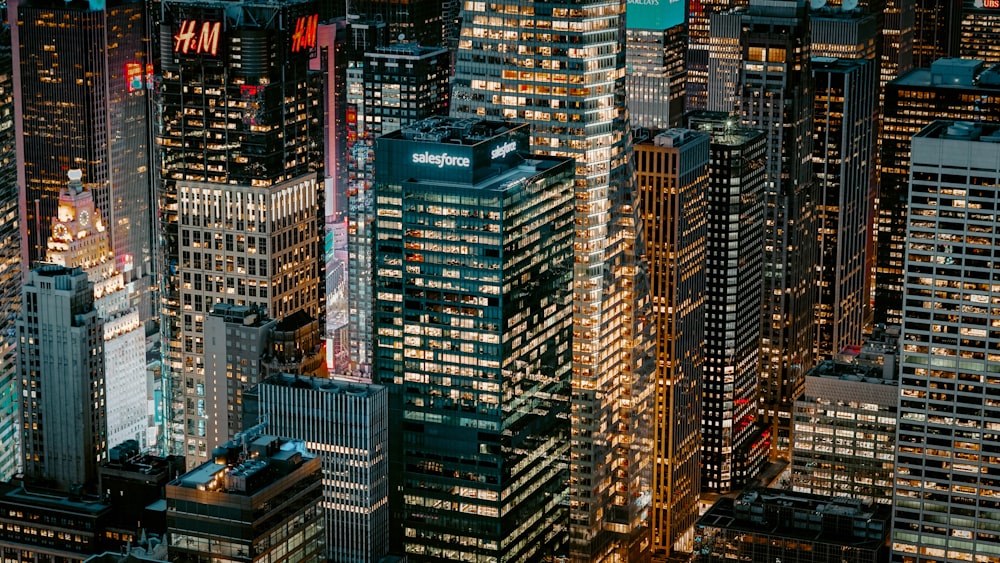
134, 76
441, 160
992, 4
197, 38
304, 36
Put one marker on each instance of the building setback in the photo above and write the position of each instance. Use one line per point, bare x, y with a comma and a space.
474, 253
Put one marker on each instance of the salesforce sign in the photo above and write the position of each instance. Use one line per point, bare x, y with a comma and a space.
654, 14
441, 160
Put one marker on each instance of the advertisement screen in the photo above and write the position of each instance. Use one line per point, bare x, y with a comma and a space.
654, 14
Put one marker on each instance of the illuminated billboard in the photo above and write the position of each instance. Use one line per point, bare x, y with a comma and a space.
654, 14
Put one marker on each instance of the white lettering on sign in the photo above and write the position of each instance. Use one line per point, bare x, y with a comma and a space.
503, 150
441, 160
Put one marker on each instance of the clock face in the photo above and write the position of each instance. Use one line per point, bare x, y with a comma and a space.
60, 230
84, 218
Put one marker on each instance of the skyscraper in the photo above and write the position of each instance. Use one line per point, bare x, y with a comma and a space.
672, 171
347, 425
10, 265
701, 45
389, 87
240, 205
945, 500
979, 35
844, 166
935, 31
87, 109
655, 73
568, 82
959, 89
735, 445
61, 366
775, 95
474, 251
81, 240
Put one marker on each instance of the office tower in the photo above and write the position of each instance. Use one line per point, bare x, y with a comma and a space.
571, 88
80, 240
778, 525
331, 63
979, 36
844, 166
61, 366
88, 109
945, 500
935, 31
896, 49
236, 341
700, 47
775, 95
10, 266
49, 525
655, 76
951, 89
388, 88
843, 34
474, 251
346, 424
419, 21
261, 493
672, 172
735, 446
724, 60
845, 432
239, 201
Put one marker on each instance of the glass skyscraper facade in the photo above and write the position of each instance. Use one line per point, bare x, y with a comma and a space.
473, 324
562, 70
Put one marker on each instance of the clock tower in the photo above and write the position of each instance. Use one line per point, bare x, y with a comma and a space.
79, 239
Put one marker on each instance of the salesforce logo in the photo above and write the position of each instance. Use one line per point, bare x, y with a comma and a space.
503, 150
441, 160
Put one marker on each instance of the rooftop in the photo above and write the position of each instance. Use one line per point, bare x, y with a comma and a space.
246, 466
962, 131
322, 384
953, 73
463, 131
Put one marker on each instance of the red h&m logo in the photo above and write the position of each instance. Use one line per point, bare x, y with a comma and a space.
304, 36
197, 38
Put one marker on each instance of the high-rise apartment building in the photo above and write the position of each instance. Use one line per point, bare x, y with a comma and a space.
258, 499
959, 89
672, 170
346, 424
61, 367
845, 432
844, 166
979, 31
10, 265
655, 73
947, 491
474, 254
775, 95
240, 204
734, 446
88, 109
568, 82
388, 88
80, 239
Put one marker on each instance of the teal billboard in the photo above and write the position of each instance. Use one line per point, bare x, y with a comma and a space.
654, 14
